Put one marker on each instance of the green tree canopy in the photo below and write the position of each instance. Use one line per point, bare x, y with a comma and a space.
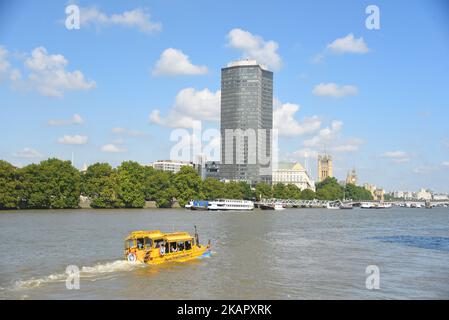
52, 183
329, 189
263, 191
188, 185
308, 194
9, 196
213, 189
356, 193
130, 180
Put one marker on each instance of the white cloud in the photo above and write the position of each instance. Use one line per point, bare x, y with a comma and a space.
325, 136
397, 156
4, 63
128, 132
28, 153
445, 164
49, 77
284, 120
112, 148
425, 169
255, 47
76, 119
6, 70
305, 153
137, 18
334, 91
190, 105
76, 139
350, 145
348, 44
329, 138
317, 58
174, 62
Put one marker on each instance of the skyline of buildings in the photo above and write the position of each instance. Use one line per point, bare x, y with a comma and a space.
123, 111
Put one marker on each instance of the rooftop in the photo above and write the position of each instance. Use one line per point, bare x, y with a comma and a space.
245, 62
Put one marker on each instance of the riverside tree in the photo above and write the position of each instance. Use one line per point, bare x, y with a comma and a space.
9, 197
53, 183
99, 185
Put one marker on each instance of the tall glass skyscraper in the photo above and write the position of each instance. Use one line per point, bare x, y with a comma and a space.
246, 122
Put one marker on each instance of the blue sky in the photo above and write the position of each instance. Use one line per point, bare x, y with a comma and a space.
115, 89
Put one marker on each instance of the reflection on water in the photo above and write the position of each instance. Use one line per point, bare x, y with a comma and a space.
293, 254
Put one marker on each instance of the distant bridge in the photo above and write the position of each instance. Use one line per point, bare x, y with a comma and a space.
293, 203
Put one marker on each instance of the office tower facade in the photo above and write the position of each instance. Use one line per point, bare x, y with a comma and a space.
325, 167
246, 122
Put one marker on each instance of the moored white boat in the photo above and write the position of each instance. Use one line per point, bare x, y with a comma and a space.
230, 204
333, 207
366, 206
279, 207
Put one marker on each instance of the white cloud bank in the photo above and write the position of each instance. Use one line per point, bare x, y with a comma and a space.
28, 153
348, 44
397, 156
136, 18
45, 73
329, 139
128, 132
174, 62
333, 90
76, 119
75, 139
112, 148
190, 105
49, 77
286, 124
255, 47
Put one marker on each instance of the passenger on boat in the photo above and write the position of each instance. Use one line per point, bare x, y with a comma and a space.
162, 249
173, 247
188, 245
140, 243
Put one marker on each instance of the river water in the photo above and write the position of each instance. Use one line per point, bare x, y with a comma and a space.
291, 254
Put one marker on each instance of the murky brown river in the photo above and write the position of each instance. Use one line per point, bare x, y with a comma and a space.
293, 254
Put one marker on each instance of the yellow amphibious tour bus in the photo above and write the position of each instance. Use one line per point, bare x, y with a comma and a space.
155, 247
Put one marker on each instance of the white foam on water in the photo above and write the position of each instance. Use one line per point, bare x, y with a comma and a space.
85, 272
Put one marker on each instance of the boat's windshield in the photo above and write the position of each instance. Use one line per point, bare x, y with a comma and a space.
129, 244
148, 243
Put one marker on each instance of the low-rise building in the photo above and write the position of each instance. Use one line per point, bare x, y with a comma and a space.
377, 193
170, 165
289, 173
424, 194
211, 170
440, 197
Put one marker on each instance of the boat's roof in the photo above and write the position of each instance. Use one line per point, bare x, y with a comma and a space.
153, 234
145, 234
178, 236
